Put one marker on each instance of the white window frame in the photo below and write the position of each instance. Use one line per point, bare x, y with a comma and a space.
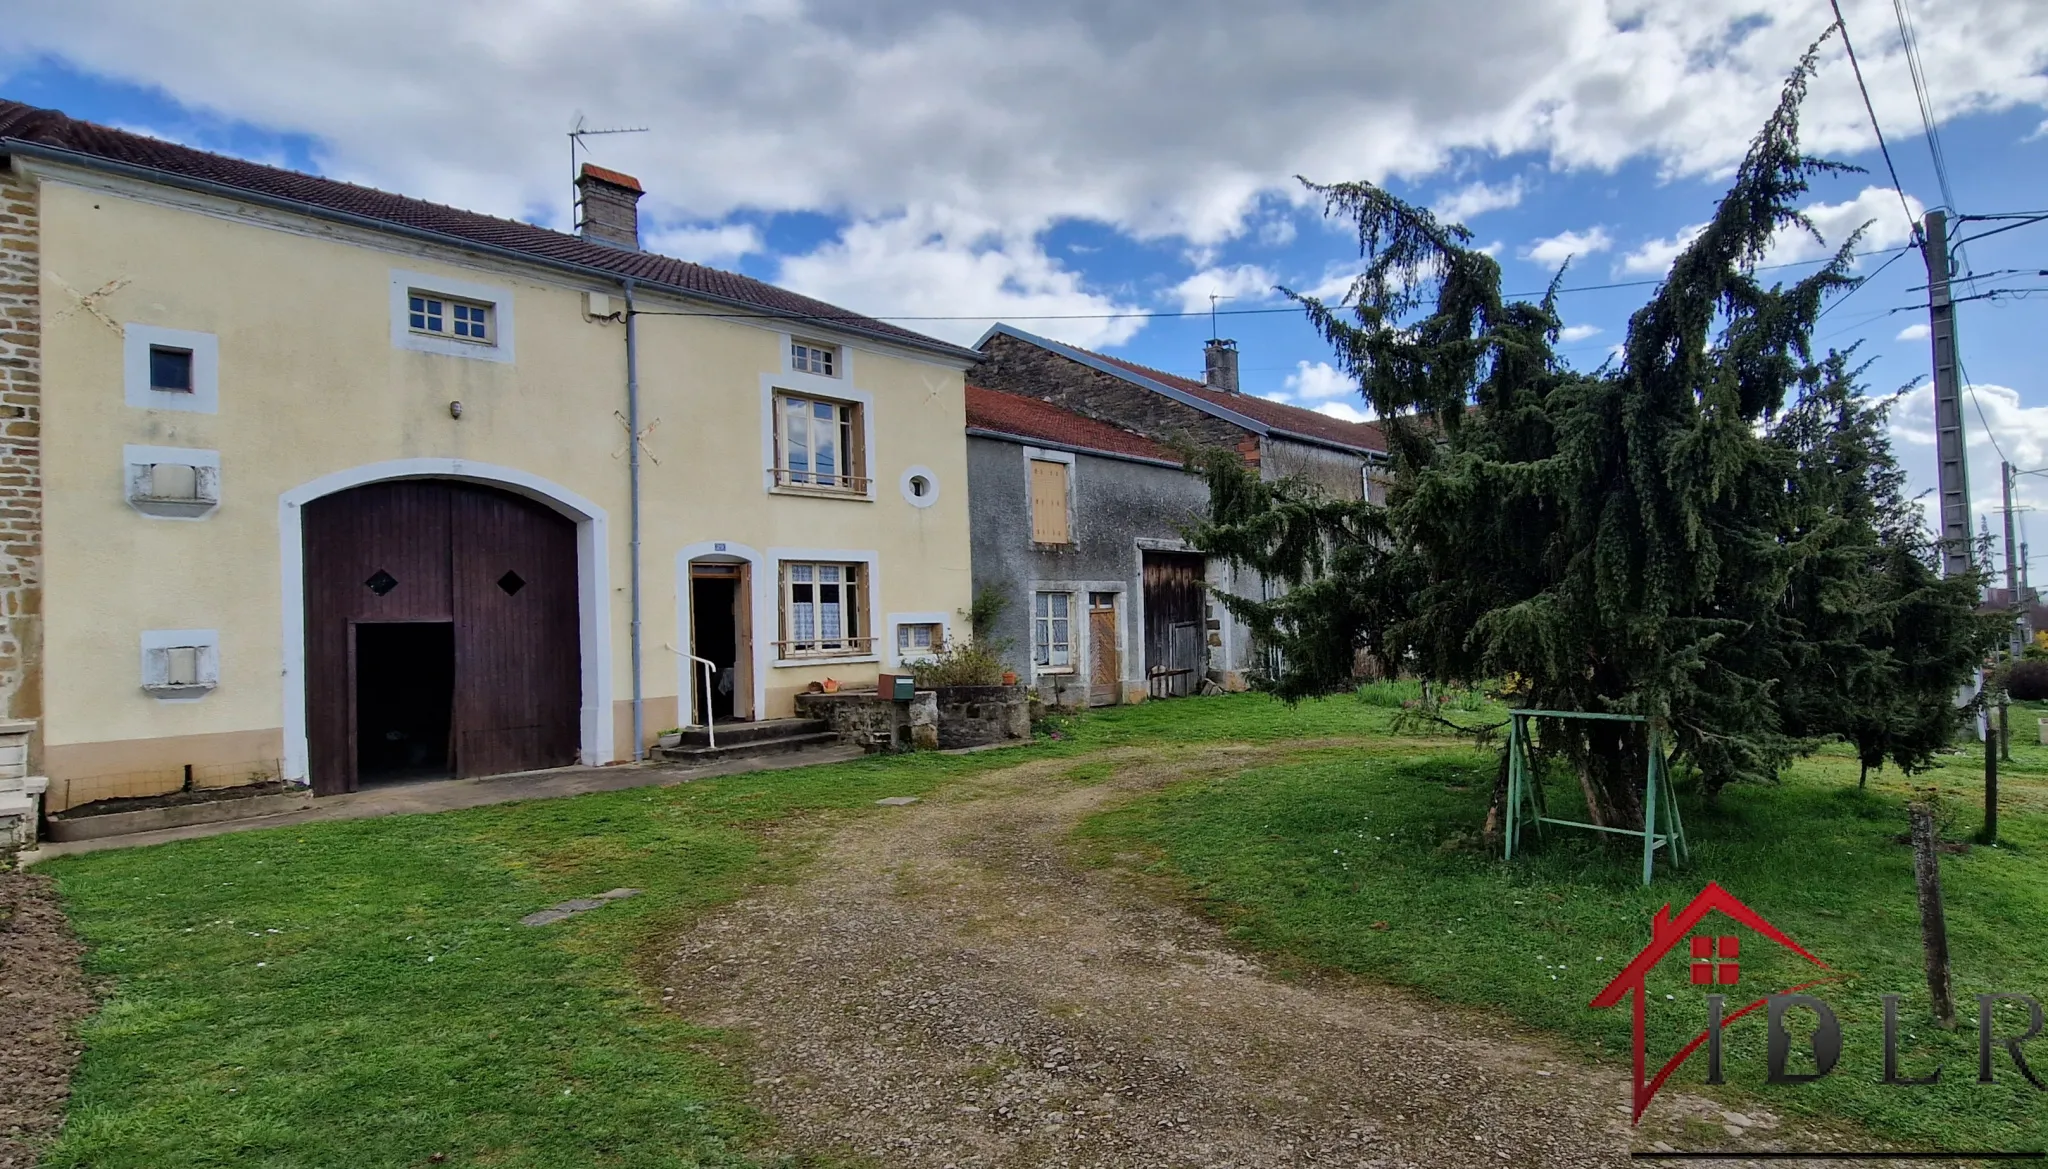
139, 463
468, 321
853, 641
496, 300
1045, 624
897, 621
138, 340
158, 647
804, 356
910, 495
848, 425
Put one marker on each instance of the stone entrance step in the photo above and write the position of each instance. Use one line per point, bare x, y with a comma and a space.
746, 740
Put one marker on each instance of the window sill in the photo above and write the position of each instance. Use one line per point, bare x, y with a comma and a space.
823, 660
1041, 546
1053, 672
823, 493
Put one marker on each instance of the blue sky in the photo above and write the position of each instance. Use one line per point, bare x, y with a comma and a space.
1049, 167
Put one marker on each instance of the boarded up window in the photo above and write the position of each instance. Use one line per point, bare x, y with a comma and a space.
1049, 502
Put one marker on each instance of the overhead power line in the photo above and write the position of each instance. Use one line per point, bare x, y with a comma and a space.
1913, 221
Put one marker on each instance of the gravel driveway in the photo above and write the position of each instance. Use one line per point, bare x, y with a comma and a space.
947, 987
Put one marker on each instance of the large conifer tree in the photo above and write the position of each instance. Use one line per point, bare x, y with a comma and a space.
1710, 531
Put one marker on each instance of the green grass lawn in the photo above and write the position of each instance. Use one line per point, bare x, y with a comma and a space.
1362, 860
359, 993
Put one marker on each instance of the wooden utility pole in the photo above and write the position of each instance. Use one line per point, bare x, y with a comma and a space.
1952, 473
1933, 922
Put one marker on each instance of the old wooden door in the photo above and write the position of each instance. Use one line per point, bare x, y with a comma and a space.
501, 568
1176, 648
1105, 676
518, 676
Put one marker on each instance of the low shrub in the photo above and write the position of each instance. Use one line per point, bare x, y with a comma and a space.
2027, 680
971, 663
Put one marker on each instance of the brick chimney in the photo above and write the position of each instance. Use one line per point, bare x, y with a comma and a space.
608, 207
1219, 361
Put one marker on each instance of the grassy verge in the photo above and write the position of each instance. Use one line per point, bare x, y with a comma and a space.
1360, 860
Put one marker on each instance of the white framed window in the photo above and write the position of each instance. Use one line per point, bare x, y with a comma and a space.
820, 444
180, 663
1052, 637
443, 316
920, 639
172, 482
824, 611
456, 318
170, 369
811, 357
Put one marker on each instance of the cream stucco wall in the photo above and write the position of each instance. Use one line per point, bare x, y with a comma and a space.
311, 385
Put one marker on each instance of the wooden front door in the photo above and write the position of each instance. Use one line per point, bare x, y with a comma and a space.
1176, 646
1105, 674
499, 568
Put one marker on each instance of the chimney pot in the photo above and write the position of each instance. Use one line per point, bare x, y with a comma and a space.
1219, 361
608, 203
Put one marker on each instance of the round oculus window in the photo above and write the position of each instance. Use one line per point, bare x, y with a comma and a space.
920, 486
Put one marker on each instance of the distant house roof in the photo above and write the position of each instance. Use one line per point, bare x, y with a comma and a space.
1259, 415
50, 134
1015, 416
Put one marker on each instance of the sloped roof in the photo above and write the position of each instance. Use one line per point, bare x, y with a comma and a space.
1021, 417
1258, 415
52, 134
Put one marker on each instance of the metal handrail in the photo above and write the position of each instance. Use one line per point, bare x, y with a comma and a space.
823, 482
710, 715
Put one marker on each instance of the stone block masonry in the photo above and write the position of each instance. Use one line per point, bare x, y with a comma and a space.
21, 479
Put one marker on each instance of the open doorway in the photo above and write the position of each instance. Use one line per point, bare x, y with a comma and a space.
719, 632
404, 699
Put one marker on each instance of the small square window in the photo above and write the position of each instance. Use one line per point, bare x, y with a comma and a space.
805, 357
170, 369
921, 638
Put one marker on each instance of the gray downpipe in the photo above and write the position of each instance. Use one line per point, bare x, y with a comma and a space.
633, 479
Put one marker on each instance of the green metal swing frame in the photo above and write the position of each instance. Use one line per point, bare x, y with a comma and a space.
1527, 807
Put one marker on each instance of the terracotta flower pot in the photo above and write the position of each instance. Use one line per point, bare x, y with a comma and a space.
1009, 677
831, 685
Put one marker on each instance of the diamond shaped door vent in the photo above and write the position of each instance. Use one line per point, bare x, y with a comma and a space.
511, 582
381, 582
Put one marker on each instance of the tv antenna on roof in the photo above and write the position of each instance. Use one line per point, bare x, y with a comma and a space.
1213, 298
577, 134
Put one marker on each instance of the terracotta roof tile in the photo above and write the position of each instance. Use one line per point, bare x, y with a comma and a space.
1030, 418
1278, 415
54, 129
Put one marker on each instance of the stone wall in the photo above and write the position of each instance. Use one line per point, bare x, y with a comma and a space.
976, 716
21, 486
865, 719
1019, 367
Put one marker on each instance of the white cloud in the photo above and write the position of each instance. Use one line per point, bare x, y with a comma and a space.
1877, 206
2022, 432
1161, 120
1346, 411
1241, 282
1574, 333
721, 244
931, 264
1314, 381
1917, 332
1476, 199
1565, 245
1655, 256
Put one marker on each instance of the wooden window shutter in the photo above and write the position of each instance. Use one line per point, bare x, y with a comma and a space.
1048, 502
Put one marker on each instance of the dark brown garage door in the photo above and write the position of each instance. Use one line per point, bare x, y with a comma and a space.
441, 632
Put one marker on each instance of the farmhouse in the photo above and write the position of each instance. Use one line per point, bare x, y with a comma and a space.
308, 481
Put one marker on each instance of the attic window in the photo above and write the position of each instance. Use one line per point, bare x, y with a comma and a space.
806, 357
442, 316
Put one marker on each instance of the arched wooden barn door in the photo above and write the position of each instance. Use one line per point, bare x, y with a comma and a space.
441, 633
